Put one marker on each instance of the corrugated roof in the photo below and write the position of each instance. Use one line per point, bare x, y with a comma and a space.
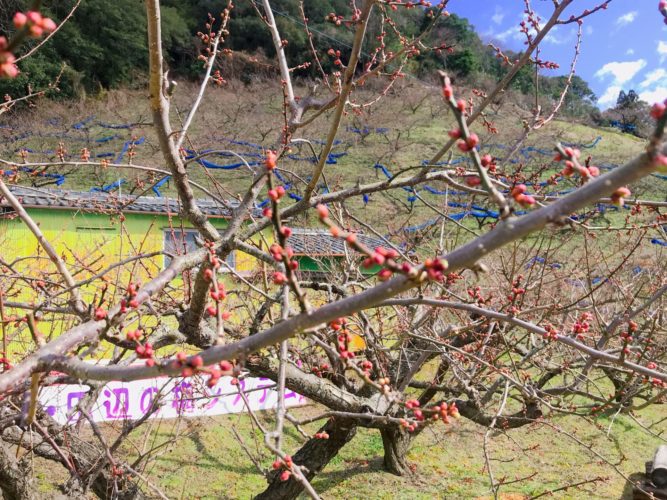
110, 202
311, 242
317, 242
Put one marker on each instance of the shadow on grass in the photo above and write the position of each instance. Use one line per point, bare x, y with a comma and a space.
326, 480
210, 464
635, 478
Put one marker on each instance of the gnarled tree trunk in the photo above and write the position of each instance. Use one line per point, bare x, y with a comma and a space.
14, 482
314, 454
396, 442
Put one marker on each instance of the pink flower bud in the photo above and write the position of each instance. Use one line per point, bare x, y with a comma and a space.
20, 20
487, 160
34, 17
279, 278
270, 160
48, 25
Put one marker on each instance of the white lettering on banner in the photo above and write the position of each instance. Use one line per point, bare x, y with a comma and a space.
176, 397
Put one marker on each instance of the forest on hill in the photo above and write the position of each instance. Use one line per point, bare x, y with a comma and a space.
103, 47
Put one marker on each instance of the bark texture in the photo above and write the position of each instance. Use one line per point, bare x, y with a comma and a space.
14, 482
314, 454
396, 444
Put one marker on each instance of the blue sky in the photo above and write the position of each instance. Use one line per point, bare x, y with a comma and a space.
624, 47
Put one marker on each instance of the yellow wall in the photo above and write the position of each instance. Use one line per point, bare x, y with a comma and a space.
89, 243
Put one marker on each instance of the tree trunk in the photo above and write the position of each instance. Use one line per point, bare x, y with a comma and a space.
315, 454
14, 482
396, 444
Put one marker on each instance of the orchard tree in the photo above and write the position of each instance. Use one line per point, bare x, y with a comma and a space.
480, 326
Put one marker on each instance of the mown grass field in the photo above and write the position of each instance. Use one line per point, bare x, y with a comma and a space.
207, 461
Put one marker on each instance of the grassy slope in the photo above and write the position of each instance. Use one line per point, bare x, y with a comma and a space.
448, 461
207, 462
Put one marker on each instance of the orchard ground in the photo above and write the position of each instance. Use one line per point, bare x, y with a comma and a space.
448, 461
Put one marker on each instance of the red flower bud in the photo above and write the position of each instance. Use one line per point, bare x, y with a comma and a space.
518, 189
322, 211
463, 146
378, 258
461, 105
270, 160
196, 362
473, 180
384, 274
34, 17
658, 110
279, 278
100, 314
226, 366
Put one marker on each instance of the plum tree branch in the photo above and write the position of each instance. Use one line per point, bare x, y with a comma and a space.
507, 231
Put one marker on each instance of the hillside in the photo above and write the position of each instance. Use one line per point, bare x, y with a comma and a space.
242, 119
113, 55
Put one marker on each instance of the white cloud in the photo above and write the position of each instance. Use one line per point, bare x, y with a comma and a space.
657, 94
653, 77
554, 37
498, 16
662, 50
608, 99
511, 33
630, 52
626, 18
621, 72
559, 39
653, 88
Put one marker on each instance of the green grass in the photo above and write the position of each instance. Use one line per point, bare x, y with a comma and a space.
207, 461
